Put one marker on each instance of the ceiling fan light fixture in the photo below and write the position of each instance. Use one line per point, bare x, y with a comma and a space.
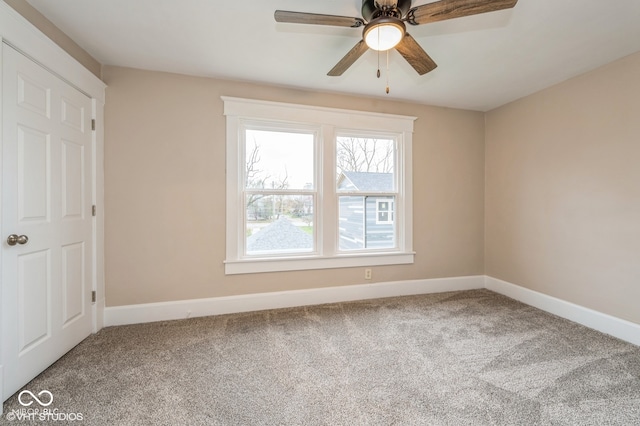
384, 33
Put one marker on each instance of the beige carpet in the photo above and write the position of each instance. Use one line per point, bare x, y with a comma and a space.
463, 358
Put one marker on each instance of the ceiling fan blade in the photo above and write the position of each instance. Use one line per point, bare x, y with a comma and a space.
349, 59
317, 19
449, 9
415, 55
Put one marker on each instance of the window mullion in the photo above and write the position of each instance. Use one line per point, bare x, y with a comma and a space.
327, 193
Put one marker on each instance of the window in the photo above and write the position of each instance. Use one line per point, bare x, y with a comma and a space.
366, 167
384, 211
279, 189
311, 188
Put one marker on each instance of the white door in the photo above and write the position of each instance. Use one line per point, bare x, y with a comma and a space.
46, 218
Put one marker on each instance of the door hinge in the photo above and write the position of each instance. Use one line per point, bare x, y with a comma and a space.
93, 124
93, 296
93, 210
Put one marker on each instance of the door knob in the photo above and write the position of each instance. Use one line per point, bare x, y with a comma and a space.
14, 239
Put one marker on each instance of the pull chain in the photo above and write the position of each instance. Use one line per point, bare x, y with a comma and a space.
378, 73
388, 71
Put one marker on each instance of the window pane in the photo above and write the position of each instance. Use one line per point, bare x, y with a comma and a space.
384, 210
278, 160
361, 226
279, 224
365, 164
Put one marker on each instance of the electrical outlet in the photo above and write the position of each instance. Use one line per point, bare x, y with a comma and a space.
367, 274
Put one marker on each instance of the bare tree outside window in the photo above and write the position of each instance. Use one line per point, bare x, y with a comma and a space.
369, 155
255, 178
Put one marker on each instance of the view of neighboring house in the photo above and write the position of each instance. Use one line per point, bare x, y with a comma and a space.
366, 221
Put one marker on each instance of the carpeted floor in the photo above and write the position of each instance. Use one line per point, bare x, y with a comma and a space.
462, 358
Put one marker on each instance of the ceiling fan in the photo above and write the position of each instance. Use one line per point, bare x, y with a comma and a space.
384, 26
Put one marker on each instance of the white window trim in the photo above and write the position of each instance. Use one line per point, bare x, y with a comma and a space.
330, 121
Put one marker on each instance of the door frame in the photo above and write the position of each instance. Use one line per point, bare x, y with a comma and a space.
20, 34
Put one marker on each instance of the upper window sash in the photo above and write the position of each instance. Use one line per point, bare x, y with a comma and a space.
248, 125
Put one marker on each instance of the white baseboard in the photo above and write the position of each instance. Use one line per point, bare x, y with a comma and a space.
622, 329
150, 312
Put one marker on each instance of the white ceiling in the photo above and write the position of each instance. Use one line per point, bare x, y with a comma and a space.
484, 61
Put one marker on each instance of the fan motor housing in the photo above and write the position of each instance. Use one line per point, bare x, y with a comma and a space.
370, 11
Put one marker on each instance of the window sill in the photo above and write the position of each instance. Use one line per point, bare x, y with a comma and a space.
253, 266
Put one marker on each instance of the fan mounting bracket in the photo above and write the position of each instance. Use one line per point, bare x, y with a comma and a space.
370, 11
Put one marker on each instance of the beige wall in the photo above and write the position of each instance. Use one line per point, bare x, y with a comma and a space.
165, 190
61, 39
554, 206
563, 190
